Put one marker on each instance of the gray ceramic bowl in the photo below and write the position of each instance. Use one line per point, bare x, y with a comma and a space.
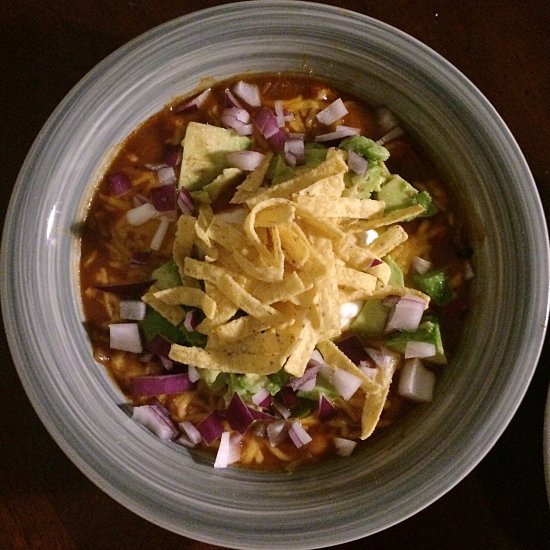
397, 473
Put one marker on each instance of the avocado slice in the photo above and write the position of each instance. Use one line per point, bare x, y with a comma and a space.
205, 150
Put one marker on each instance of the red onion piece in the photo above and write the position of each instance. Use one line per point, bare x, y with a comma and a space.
310, 374
298, 434
164, 197
281, 409
391, 135
229, 450
140, 258
125, 337
420, 265
127, 290
159, 345
383, 358
160, 384
173, 155
245, 160
375, 262
325, 408
278, 140
118, 184
341, 132
288, 397
167, 175
238, 415
132, 310
416, 382
406, 314
156, 420
280, 113
231, 100
343, 446
266, 122
262, 398
357, 163
353, 348
335, 111
238, 119
191, 320
249, 93
141, 214
190, 436
185, 202
294, 151
195, 103
419, 349
210, 428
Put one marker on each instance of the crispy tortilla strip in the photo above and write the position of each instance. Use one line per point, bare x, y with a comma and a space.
301, 350
226, 234
342, 207
400, 291
387, 241
225, 309
382, 272
295, 245
353, 255
183, 243
331, 186
183, 295
285, 190
253, 181
403, 214
267, 342
227, 361
339, 360
322, 227
173, 313
278, 291
354, 278
276, 215
374, 401
237, 329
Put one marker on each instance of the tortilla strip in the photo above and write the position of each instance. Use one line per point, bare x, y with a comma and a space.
403, 214
387, 241
340, 207
301, 350
331, 186
183, 295
252, 182
173, 313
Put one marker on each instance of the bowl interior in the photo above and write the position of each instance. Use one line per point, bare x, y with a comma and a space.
400, 470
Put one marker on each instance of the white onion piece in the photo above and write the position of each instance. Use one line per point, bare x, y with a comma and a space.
416, 382
277, 432
245, 160
229, 450
335, 111
341, 132
385, 118
419, 349
357, 163
298, 434
125, 337
156, 420
384, 358
238, 119
260, 396
167, 175
420, 265
132, 310
294, 151
344, 447
160, 233
193, 373
280, 113
345, 383
250, 93
406, 314
141, 214
392, 134
194, 103
191, 432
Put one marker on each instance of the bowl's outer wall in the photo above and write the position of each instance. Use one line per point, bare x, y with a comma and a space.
398, 472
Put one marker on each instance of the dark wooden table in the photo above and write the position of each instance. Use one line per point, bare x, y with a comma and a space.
47, 46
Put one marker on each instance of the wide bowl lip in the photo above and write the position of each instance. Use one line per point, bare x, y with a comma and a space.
116, 57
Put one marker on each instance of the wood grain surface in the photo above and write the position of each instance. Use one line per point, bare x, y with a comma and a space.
503, 47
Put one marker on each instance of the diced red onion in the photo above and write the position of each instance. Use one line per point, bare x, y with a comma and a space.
173, 155
416, 382
335, 111
316, 358
278, 140
164, 197
406, 314
353, 348
266, 122
210, 428
281, 409
298, 434
185, 202
167, 363
325, 408
156, 420
245, 160
125, 337
391, 135
419, 349
160, 384
383, 357
132, 310
277, 432
368, 370
127, 290
385, 118
238, 415
231, 100
141, 214
420, 265
375, 262
310, 375
167, 175
260, 415
238, 119
193, 373
195, 103
294, 151
262, 398
159, 345
343, 446
341, 132
190, 436
191, 320
118, 184
288, 397
160, 233
345, 383
229, 450
280, 113
140, 258
357, 163
249, 93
